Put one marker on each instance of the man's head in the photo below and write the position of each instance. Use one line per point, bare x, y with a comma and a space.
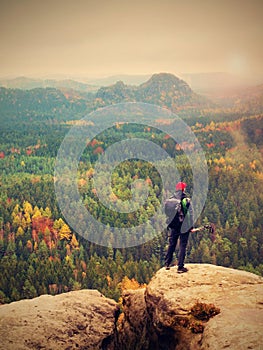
180, 186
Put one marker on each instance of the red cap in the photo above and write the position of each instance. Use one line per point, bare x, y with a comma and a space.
180, 186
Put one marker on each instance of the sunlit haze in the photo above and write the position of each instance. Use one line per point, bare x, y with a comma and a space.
98, 38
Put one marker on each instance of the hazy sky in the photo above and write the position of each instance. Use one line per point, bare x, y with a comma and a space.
106, 37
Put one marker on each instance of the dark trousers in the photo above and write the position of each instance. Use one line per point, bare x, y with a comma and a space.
173, 235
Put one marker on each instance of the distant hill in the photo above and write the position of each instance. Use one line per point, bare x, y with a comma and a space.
119, 92
25, 83
162, 89
50, 102
128, 79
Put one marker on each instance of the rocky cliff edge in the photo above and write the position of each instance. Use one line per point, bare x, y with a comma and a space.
209, 307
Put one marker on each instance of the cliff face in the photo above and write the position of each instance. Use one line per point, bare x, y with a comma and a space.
209, 307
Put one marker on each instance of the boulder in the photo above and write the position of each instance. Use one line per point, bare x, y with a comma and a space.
171, 299
82, 319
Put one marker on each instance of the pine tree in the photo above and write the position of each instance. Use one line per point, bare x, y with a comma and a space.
29, 291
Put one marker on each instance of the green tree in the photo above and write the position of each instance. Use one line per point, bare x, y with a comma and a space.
29, 291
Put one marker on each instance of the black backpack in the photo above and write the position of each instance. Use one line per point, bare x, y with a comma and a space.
172, 208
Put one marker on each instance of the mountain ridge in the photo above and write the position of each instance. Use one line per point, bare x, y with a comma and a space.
203, 82
163, 89
25, 83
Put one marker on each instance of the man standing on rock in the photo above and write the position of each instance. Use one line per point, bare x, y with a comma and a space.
182, 212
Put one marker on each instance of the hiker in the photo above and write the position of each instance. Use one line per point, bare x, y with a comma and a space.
185, 212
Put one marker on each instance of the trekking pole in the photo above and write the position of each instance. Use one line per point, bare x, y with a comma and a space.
209, 227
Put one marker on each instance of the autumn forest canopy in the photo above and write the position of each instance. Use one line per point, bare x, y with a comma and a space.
40, 253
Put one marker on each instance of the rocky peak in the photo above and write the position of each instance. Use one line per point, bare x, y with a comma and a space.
166, 81
118, 92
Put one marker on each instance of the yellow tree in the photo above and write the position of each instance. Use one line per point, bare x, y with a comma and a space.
36, 213
20, 231
47, 213
17, 221
27, 207
23, 223
27, 219
127, 283
65, 232
58, 224
74, 242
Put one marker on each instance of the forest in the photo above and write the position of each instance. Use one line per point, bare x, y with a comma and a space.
40, 253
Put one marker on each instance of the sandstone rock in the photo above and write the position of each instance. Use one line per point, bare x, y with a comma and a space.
82, 319
239, 295
158, 317
133, 332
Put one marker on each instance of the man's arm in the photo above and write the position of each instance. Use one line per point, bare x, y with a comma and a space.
190, 213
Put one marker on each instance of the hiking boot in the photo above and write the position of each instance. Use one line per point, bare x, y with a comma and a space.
182, 269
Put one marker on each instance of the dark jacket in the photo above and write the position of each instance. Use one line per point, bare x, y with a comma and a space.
175, 223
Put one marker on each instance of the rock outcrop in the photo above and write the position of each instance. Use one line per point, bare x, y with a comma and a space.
81, 320
171, 322
209, 307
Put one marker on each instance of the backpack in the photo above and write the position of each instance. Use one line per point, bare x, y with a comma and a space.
172, 208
